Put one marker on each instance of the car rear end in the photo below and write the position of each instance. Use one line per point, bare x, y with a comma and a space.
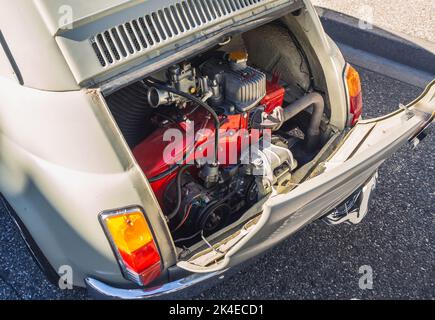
79, 187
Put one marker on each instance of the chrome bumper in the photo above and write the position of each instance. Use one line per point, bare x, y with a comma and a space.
101, 291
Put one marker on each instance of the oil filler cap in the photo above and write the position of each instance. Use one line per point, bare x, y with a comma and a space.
239, 56
238, 60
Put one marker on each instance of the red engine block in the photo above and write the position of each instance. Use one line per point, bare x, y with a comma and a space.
150, 153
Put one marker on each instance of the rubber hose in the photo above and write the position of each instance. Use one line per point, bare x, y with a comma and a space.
312, 99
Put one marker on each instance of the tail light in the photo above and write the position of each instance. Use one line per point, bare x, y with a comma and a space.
133, 244
353, 84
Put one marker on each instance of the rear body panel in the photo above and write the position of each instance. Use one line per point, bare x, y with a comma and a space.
62, 162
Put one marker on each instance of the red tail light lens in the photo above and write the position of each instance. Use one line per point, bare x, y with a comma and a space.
133, 244
353, 84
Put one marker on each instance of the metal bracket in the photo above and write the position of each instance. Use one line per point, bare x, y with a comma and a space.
408, 113
355, 209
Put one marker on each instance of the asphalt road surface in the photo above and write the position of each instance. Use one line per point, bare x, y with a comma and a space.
320, 262
414, 18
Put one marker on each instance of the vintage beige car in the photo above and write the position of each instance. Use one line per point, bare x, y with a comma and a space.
117, 118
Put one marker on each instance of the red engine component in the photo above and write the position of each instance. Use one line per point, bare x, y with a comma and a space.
274, 96
150, 153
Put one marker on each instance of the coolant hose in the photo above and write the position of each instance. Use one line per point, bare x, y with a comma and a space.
312, 99
164, 87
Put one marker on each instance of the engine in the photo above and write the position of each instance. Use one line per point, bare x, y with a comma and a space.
221, 102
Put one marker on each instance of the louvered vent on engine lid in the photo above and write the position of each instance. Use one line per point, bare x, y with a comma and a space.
169, 23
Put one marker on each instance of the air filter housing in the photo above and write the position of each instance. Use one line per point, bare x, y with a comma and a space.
243, 86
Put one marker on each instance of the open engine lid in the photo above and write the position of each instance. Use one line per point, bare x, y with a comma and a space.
107, 38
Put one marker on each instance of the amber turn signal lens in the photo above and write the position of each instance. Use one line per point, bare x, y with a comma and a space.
353, 82
134, 244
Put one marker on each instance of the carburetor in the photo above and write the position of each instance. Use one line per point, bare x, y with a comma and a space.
181, 77
225, 82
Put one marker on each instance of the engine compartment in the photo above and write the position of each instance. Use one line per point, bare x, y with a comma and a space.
216, 134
